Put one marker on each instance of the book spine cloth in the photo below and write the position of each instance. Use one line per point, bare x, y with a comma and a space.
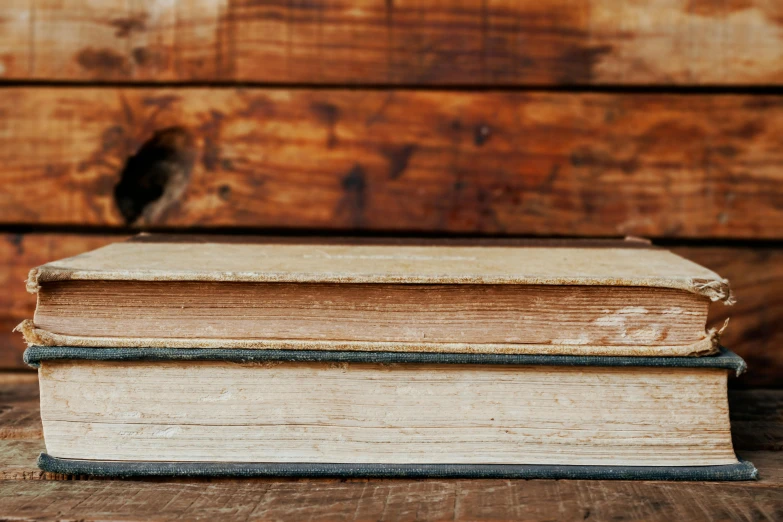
742, 470
34, 355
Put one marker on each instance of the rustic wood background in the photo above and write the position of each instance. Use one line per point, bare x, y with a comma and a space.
486, 118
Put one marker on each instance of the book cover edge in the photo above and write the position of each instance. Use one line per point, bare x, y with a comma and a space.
34, 355
709, 284
708, 345
742, 470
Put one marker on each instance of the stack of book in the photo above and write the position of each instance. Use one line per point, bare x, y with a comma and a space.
168, 355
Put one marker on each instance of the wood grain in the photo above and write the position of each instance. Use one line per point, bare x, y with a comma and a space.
18, 254
20, 416
472, 42
448, 162
757, 419
19, 460
389, 500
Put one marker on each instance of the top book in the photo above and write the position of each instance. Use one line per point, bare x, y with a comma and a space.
547, 297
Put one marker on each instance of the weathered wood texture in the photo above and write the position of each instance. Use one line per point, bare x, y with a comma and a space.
18, 254
389, 500
395, 42
491, 162
757, 420
755, 331
20, 416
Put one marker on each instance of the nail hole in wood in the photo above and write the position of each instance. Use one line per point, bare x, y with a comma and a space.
155, 178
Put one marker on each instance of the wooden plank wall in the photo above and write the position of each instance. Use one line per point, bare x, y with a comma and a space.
487, 118
396, 42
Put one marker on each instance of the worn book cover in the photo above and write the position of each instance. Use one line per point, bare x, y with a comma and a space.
547, 297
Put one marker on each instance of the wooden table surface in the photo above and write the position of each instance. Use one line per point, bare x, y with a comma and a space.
26, 493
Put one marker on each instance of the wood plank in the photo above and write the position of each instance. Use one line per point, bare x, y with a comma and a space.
757, 430
757, 419
395, 42
20, 416
449, 162
18, 254
18, 459
18, 462
389, 500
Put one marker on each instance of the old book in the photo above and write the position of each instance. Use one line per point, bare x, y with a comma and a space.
589, 297
148, 411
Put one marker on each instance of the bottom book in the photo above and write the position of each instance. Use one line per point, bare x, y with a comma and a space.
228, 412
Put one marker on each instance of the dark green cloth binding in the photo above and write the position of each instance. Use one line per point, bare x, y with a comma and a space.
35, 354
742, 470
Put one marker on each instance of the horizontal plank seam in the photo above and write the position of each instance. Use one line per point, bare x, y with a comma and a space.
185, 230
674, 89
